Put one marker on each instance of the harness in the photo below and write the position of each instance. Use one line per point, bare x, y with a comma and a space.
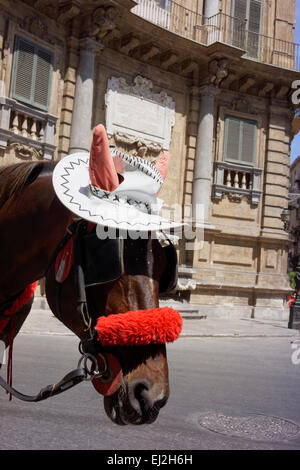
104, 372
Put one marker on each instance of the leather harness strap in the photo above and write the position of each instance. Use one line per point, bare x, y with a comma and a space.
70, 380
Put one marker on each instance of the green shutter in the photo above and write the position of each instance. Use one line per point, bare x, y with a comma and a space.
42, 78
232, 139
248, 137
240, 140
23, 70
32, 74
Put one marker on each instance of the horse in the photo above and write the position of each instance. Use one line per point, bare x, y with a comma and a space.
32, 223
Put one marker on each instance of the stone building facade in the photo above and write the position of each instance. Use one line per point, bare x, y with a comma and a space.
216, 74
294, 213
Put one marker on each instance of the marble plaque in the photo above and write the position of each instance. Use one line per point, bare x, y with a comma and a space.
136, 111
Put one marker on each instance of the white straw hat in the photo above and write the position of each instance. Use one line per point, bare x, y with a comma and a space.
111, 188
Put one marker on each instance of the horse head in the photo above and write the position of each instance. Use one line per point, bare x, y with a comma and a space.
147, 269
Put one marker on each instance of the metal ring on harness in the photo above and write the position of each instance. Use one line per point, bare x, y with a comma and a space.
93, 371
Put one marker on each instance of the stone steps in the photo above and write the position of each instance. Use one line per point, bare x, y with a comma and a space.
185, 309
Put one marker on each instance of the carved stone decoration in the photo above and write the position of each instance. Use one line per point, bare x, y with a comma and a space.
27, 152
128, 43
234, 197
148, 52
243, 105
103, 21
167, 59
35, 25
186, 284
68, 10
142, 147
218, 71
267, 87
246, 83
137, 115
4, 53
46, 7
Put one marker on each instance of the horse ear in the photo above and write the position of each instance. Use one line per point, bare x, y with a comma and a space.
162, 164
102, 170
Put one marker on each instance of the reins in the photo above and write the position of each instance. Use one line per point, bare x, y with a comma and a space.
76, 376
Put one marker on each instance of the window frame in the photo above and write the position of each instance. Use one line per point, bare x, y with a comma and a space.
37, 48
255, 139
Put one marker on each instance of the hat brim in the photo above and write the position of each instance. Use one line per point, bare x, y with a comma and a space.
71, 183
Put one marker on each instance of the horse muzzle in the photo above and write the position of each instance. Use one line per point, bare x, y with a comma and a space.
133, 404
137, 397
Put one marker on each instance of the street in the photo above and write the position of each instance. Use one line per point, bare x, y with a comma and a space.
215, 384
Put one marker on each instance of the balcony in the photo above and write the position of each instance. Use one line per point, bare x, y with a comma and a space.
221, 28
29, 131
237, 181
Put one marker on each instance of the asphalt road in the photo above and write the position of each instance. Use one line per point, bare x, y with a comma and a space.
217, 382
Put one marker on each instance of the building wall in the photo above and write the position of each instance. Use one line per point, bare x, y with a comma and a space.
241, 268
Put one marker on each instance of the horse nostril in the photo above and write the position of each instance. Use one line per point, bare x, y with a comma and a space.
141, 395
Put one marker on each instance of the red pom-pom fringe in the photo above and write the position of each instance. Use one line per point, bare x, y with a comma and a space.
24, 298
153, 326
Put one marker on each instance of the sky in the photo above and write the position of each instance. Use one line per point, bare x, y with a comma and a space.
295, 150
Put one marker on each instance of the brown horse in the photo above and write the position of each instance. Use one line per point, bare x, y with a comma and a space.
32, 223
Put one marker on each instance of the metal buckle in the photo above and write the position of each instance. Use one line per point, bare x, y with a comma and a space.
92, 370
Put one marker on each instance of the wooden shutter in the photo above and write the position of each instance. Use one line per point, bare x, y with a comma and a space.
240, 9
42, 78
232, 138
248, 141
238, 28
23, 70
254, 27
32, 73
240, 140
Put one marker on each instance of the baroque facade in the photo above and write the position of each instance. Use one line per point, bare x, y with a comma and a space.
207, 80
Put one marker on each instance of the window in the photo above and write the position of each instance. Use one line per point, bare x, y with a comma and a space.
31, 74
246, 35
240, 140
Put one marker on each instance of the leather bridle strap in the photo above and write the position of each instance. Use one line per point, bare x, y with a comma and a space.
71, 230
70, 380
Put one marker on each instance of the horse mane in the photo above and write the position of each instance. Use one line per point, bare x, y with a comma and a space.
14, 178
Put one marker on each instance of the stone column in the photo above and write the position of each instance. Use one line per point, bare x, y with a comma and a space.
204, 153
84, 94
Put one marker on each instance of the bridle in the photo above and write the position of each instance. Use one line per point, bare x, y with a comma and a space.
92, 365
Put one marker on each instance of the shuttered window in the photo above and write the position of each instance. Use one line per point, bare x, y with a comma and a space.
31, 74
240, 140
246, 35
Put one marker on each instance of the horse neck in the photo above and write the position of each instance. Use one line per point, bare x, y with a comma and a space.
32, 223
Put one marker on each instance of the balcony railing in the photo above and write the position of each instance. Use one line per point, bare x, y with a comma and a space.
29, 131
237, 180
221, 28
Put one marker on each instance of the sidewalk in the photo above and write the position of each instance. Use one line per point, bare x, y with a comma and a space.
42, 321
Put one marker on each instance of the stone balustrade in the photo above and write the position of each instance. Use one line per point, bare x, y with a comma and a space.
238, 180
29, 130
